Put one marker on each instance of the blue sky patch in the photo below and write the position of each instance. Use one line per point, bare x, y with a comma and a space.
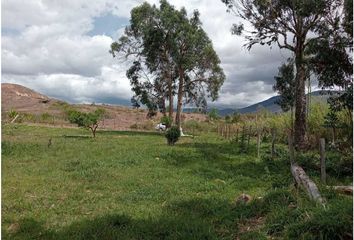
108, 24
9, 31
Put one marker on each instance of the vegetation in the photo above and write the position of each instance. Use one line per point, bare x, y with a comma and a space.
172, 55
318, 28
172, 135
231, 180
128, 185
86, 120
167, 121
213, 114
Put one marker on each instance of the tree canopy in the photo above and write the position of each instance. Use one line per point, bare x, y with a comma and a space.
87, 120
171, 55
295, 25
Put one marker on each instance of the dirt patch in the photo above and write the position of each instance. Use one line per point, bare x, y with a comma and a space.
26, 101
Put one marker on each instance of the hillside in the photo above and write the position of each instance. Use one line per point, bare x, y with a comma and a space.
270, 105
35, 105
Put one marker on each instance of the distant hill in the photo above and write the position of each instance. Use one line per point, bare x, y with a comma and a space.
27, 101
270, 104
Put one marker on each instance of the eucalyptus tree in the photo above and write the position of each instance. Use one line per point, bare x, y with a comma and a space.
146, 42
197, 64
176, 51
285, 86
290, 24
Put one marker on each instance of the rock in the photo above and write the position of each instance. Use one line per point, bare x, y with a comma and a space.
243, 198
13, 228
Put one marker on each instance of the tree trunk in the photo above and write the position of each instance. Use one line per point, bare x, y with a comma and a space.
170, 98
348, 190
303, 180
93, 129
292, 120
300, 101
163, 107
179, 98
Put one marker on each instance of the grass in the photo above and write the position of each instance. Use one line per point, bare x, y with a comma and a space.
131, 185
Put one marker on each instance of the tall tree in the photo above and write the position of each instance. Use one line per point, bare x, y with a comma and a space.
146, 41
197, 64
285, 86
277, 21
176, 50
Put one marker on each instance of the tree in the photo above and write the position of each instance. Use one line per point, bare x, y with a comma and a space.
285, 86
331, 61
277, 21
213, 114
87, 120
177, 53
147, 40
198, 66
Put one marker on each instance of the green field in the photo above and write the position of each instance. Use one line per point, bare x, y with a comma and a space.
132, 185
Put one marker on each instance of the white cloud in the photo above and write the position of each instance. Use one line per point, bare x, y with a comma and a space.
54, 54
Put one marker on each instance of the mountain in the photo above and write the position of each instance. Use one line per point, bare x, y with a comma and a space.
270, 105
36, 106
14, 96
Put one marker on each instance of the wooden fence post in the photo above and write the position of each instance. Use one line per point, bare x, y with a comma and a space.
291, 149
249, 136
237, 135
258, 142
243, 139
323, 160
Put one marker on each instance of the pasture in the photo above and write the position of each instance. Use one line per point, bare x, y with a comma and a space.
132, 185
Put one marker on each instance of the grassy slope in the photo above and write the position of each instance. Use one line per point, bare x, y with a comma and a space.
126, 185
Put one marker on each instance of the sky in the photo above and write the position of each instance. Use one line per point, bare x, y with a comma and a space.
60, 48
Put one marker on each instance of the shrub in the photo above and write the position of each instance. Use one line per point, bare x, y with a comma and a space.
46, 117
193, 125
86, 120
167, 121
213, 114
12, 114
172, 135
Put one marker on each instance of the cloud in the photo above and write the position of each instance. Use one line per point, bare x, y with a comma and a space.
60, 48
75, 88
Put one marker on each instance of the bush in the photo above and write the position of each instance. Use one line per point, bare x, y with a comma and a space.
46, 117
12, 114
167, 121
172, 135
86, 120
213, 114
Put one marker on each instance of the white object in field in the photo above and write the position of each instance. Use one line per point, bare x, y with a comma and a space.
182, 134
160, 127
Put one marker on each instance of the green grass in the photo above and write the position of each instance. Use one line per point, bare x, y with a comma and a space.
132, 185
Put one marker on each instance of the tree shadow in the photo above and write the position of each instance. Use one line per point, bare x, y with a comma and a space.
128, 133
224, 161
192, 219
78, 136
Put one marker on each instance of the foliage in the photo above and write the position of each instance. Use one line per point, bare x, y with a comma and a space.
274, 22
12, 114
236, 117
213, 114
46, 117
172, 55
166, 120
87, 120
285, 86
172, 135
